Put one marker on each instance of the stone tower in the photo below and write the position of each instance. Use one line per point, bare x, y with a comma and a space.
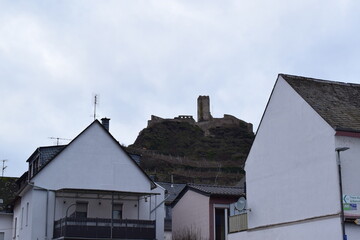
203, 108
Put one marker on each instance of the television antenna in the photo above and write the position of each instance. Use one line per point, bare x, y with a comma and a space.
96, 102
3, 166
58, 139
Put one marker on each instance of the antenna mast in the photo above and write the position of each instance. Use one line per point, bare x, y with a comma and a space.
95, 103
57, 139
3, 167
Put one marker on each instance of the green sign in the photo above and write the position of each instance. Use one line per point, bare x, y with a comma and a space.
350, 206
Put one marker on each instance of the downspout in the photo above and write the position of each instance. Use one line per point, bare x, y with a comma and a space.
138, 207
112, 215
47, 213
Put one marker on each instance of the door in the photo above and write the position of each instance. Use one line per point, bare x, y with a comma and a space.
220, 223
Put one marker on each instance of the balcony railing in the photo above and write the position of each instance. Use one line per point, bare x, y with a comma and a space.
238, 223
94, 228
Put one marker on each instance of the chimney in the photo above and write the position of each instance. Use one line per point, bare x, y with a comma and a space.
106, 123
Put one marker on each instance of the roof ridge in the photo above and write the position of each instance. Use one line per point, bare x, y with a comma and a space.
53, 146
209, 185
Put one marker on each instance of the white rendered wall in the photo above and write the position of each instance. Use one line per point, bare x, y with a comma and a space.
320, 230
191, 213
158, 211
93, 161
291, 168
24, 217
6, 225
98, 208
350, 168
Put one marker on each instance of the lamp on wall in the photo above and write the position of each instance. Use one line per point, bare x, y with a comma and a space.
338, 150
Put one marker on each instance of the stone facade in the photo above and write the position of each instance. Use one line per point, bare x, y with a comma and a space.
203, 110
205, 120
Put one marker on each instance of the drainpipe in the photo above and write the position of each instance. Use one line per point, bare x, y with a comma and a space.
47, 213
112, 217
338, 161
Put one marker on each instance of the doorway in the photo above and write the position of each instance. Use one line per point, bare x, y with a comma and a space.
221, 223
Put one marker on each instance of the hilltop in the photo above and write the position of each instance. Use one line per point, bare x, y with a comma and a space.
211, 150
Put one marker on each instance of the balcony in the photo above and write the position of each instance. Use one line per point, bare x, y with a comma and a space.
238, 223
95, 228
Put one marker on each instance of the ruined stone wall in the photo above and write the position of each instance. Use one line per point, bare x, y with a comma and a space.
181, 118
227, 120
205, 120
203, 109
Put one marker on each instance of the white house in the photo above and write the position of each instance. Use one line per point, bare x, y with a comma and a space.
88, 189
201, 211
292, 176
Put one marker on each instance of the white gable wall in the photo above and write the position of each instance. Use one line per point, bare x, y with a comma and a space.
350, 165
319, 230
93, 161
291, 168
158, 211
191, 213
6, 225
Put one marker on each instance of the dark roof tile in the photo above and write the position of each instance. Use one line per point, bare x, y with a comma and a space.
217, 190
337, 103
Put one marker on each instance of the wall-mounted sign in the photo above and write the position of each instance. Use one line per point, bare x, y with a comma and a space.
350, 206
351, 199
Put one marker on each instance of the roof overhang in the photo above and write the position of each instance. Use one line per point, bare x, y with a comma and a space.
104, 192
347, 133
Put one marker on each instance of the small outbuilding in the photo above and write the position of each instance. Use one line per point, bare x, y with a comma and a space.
202, 211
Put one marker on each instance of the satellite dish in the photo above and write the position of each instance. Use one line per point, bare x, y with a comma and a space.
240, 204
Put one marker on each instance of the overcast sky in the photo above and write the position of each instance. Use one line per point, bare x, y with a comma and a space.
148, 58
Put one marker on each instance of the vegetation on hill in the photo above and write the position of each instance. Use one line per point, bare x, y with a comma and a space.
8, 188
184, 151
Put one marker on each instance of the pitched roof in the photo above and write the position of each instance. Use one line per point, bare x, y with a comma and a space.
210, 190
217, 190
47, 153
173, 190
337, 103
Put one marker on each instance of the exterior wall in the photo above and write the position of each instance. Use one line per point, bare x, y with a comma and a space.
157, 211
216, 201
352, 231
203, 108
95, 161
350, 166
23, 212
100, 208
6, 225
325, 229
191, 213
291, 168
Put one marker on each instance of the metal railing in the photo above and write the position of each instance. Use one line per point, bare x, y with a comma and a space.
238, 223
104, 228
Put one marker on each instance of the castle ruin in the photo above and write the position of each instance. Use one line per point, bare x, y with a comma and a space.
205, 121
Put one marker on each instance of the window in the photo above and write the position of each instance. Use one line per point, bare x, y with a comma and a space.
30, 170
15, 223
117, 211
81, 209
22, 218
27, 214
2, 235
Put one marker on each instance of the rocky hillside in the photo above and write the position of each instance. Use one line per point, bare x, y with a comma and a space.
186, 152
